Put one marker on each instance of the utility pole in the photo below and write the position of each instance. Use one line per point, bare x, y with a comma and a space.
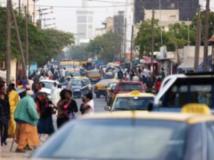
8, 42
132, 46
152, 44
19, 7
18, 39
197, 40
206, 35
27, 36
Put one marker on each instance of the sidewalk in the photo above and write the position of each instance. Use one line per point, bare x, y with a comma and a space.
6, 154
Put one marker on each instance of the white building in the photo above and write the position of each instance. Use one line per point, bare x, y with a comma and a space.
85, 27
129, 14
164, 17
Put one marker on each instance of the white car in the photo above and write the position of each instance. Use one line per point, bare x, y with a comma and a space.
48, 86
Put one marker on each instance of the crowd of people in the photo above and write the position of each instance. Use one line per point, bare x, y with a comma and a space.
26, 115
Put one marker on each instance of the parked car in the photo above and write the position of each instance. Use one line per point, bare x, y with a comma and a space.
80, 86
181, 89
133, 135
134, 100
101, 86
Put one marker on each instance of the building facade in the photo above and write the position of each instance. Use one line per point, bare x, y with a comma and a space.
186, 8
85, 27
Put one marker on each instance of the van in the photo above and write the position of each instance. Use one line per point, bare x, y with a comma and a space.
181, 89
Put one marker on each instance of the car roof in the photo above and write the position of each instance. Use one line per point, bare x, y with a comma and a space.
130, 82
177, 117
48, 80
108, 81
80, 77
135, 94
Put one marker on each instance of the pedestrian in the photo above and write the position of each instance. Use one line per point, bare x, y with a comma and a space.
45, 109
83, 108
4, 114
67, 107
120, 74
13, 101
26, 117
55, 94
88, 105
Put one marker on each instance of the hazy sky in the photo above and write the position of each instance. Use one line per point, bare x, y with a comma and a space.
66, 16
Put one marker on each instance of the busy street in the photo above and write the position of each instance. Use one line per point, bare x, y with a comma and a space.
9, 153
106, 79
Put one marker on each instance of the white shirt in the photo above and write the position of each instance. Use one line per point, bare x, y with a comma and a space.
91, 104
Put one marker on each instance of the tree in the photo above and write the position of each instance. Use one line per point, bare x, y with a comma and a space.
176, 37
78, 52
106, 47
211, 23
179, 35
44, 44
144, 37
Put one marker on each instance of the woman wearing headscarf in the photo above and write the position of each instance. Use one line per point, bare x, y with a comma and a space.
4, 114
67, 107
26, 117
13, 101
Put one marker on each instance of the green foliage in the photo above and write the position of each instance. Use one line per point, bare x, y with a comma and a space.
211, 24
78, 53
43, 44
176, 37
144, 37
106, 47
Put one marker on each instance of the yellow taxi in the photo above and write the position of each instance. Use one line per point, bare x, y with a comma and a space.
134, 100
94, 75
133, 135
101, 86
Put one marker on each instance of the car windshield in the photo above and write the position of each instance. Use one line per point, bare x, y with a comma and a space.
130, 86
48, 85
132, 103
76, 82
117, 139
76, 74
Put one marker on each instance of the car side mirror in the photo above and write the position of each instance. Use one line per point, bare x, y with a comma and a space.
107, 108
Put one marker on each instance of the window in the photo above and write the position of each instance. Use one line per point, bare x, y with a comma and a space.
210, 141
132, 103
183, 94
119, 139
130, 86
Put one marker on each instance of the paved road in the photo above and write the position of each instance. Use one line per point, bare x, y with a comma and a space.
5, 151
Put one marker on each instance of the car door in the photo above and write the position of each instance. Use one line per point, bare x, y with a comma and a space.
84, 87
195, 140
210, 140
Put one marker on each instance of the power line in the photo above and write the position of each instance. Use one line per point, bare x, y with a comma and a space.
68, 7
104, 1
